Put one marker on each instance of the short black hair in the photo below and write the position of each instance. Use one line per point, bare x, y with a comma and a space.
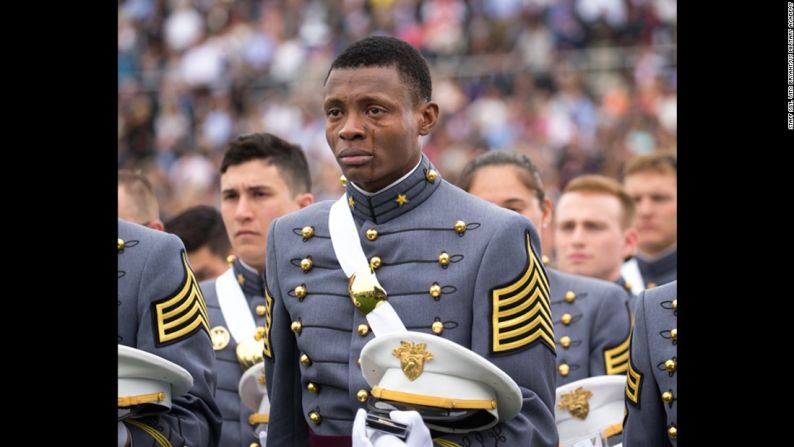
288, 158
384, 51
199, 226
528, 172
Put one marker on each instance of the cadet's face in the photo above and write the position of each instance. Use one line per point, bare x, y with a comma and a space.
252, 195
372, 125
588, 237
205, 264
501, 185
655, 197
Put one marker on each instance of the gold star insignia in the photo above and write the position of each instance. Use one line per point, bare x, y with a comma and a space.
351, 202
401, 199
241, 279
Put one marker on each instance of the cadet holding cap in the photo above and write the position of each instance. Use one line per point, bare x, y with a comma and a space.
162, 314
452, 266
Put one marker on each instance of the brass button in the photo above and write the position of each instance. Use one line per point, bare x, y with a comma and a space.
343, 180
362, 395
672, 432
438, 327
306, 264
261, 310
435, 290
307, 232
305, 360
564, 369
460, 226
565, 341
674, 334
121, 244
650, 285
315, 417
372, 234
431, 175
443, 259
230, 259
358, 361
545, 260
301, 291
312, 387
375, 262
253, 444
260, 333
675, 304
570, 296
566, 319
296, 327
362, 330
670, 365
627, 285
667, 396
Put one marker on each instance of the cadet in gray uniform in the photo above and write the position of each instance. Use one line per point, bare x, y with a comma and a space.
591, 316
453, 265
651, 181
161, 311
651, 385
262, 177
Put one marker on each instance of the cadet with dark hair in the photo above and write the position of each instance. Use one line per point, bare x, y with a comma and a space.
591, 316
651, 385
262, 177
453, 265
161, 311
137, 201
204, 235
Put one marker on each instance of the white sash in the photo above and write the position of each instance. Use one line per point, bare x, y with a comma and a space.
234, 307
347, 247
630, 271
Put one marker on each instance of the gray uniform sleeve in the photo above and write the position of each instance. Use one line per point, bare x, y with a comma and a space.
194, 419
521, 344
287, 425
644, 424
611, 334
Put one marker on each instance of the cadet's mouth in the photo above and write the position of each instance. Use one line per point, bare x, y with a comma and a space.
354, 157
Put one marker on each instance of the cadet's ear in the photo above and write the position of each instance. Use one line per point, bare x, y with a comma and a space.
428, 117
304, 199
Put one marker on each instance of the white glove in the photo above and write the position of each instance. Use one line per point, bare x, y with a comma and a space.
123, 434
263, 436
419, 435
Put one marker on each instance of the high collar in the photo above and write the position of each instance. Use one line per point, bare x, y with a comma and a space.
397, 199
250, 281
658, 266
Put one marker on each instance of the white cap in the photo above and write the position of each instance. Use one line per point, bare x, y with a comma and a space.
252, 386
145, 378
454, 389
590, 406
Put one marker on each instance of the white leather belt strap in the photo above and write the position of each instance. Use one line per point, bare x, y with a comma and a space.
234, 307
630, 271
347, 247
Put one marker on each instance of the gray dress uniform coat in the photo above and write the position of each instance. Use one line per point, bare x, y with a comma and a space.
161, 311
236, 430
592, 326
651, 390
659, 271
457, 284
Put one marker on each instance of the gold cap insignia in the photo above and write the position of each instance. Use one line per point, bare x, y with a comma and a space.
576, 402
412, 358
